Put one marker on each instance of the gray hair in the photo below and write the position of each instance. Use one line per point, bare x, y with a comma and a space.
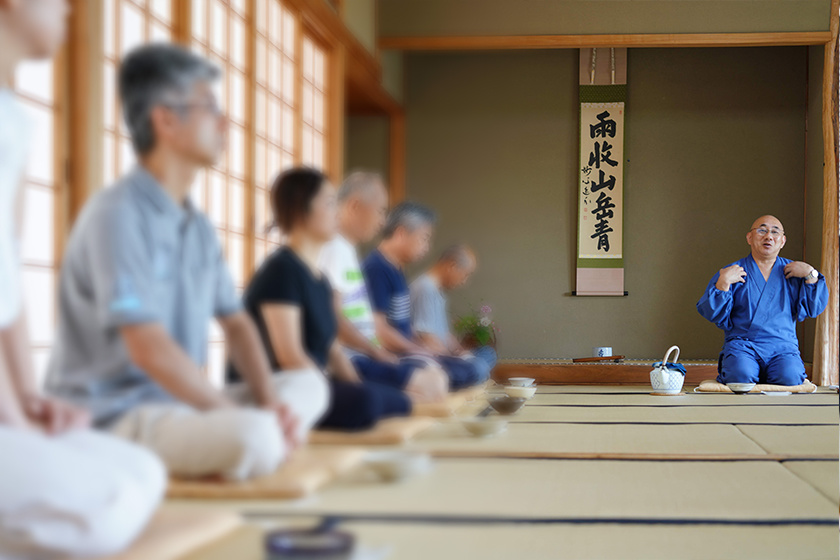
459, 254
150, 76
408, 215
359, 183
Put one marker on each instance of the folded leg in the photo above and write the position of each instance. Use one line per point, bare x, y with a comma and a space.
305, 392
422, 381
78, 494
462, 373
484, 359
358, 406
785, 369
738, 366
235, 443
393, 375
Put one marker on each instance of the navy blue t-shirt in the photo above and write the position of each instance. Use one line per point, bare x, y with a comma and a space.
388, 291
284, 278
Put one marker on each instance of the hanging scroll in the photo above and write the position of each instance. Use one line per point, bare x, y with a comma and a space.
603, 90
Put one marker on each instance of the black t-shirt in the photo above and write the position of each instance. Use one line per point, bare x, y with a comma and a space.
285, 279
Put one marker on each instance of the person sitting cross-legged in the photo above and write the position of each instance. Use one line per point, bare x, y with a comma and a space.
144, 275
429, 313
362, 207
757, 301
291, 301
405, 240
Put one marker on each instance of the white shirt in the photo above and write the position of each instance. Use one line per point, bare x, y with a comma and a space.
340, 262
14, 136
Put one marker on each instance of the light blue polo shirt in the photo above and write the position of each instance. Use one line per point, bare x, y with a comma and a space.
134, 256
429, 308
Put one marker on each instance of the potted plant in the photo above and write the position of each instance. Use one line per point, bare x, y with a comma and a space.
477, 328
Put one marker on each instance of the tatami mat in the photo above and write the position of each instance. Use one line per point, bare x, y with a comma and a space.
544, 397
517, 488
623, 389
822, 475
580, 542
592, 438
795, 440
682, 414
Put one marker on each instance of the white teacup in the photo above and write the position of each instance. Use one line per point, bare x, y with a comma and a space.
521, 392
521, 381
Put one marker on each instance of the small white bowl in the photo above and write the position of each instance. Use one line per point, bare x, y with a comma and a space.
484, 427
740, 387
521, 381
393, 466
521, 392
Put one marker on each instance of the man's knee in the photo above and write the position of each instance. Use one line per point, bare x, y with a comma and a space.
89, 495
786, 370
488, 355
738, 368
254, 442
148, 471
116, 527
307, 393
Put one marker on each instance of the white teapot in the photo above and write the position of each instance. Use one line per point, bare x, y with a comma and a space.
668, 377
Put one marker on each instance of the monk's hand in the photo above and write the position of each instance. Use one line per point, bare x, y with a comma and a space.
730, 275
798, 269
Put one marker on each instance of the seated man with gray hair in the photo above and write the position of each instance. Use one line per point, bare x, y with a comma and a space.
362, 207
143, 276
405, 240
429, 314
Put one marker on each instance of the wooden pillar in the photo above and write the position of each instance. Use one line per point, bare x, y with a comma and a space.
827, 339
335, 119
84, 103
396, 178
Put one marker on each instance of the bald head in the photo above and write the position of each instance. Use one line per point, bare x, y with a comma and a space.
460, 255
766, 238
768, 222
455, 265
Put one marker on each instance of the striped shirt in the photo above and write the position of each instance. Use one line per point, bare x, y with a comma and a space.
388, 292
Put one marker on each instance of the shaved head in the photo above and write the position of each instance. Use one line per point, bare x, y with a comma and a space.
766, 238
460, 255
768, 221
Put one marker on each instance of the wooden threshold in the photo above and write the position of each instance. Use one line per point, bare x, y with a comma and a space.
599, 374
486, 42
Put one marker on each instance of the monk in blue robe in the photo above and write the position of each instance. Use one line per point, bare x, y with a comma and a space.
757, 301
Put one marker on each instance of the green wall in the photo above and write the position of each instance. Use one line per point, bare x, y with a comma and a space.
715, 137
536, 17
366, 143
360, 19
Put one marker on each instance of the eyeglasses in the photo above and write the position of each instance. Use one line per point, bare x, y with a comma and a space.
210, 107
774, 232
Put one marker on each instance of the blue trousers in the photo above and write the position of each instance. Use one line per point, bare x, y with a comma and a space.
465, 372
392, 375
743, 364
484, 359
358, 406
